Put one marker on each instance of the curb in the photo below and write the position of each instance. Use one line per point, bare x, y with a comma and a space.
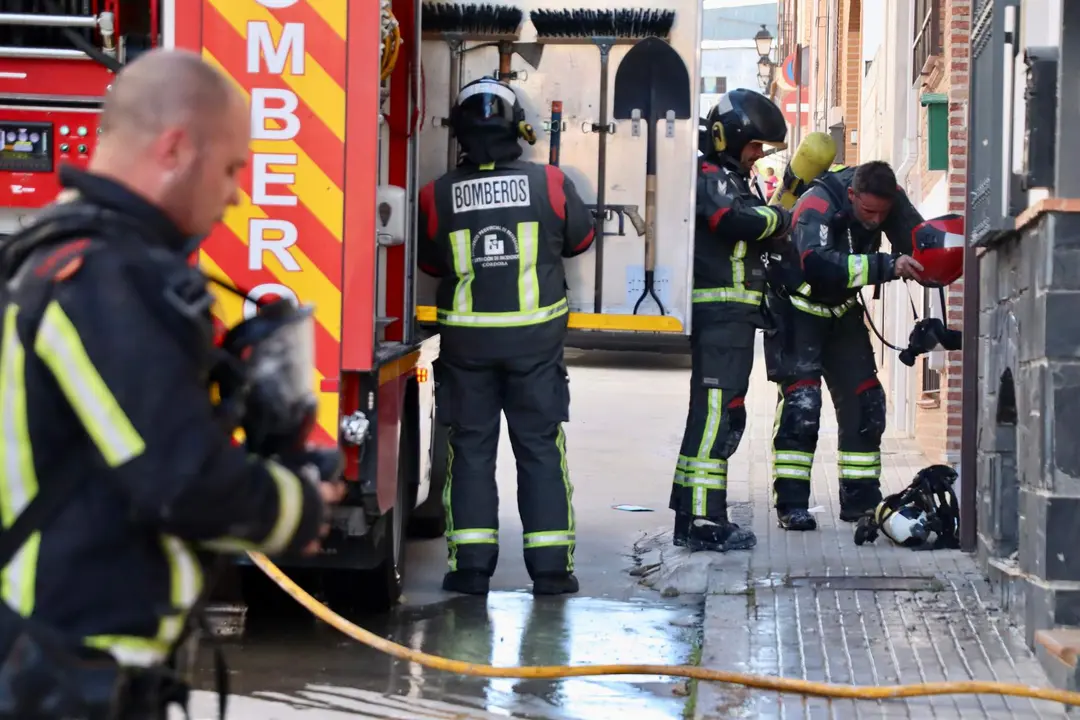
725, 637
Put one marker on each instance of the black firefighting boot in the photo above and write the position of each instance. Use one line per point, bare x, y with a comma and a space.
719, 535
858, 498
555, 584
795, 519
467, 582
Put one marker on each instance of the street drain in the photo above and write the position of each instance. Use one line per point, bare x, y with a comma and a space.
873, 583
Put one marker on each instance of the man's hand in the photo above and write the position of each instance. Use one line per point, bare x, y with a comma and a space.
332, 493
322, 467
908, 268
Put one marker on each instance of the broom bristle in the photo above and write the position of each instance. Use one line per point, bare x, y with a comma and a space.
484, 19
629, 23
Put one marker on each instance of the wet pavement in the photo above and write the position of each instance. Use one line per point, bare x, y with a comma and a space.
291, 666
626, 423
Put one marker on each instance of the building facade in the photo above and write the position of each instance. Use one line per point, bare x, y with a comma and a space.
914, 107
728, 53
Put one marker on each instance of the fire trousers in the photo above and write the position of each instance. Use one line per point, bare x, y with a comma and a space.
811, 342
722, 357
533, 392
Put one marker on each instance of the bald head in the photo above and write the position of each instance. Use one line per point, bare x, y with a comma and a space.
176, 131
162, 89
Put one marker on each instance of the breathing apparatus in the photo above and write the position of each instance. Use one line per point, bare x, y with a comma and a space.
926, 508
263, 376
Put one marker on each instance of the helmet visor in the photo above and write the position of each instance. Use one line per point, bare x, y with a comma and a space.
487, 101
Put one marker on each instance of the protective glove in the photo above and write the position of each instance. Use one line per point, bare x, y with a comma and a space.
526, 132
783, 221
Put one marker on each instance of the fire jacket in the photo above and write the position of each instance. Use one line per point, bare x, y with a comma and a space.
496, 236
837, 255
104, 361
732, 232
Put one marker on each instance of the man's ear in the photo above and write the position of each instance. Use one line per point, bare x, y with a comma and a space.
851, 194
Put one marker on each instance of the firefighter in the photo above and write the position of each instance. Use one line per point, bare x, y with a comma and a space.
835, 251
733, 229
495, 231
106, 343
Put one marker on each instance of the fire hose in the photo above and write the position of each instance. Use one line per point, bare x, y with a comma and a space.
760, 682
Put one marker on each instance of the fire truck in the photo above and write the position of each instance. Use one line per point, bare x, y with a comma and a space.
331, 86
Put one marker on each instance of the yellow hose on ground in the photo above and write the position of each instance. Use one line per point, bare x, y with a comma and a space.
761, 682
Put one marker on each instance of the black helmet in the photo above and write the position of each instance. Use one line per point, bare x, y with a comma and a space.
742, 117
489, 106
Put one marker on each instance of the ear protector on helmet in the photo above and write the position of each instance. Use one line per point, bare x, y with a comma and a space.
719, 141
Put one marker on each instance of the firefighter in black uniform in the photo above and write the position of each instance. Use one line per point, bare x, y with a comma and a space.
835, 251
104, 366
734, 228
496, 230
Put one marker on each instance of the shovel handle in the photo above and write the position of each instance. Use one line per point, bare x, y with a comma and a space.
650, 223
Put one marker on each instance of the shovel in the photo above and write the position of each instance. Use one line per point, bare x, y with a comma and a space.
653, 80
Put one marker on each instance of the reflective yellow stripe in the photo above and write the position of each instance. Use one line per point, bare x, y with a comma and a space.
528, 251
737, 293
290, 494
185, 587
505, 319
837, 167
131, 651
858, 268
461, 248
771, 219
798, 300
18, 484
58, 345
487, 166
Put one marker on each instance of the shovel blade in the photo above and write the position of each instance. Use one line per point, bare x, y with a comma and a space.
653, 79
530, 53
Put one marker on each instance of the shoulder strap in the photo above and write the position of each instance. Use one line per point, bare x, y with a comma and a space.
60, 223
41, 510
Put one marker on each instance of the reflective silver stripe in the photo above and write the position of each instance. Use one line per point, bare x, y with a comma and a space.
728, 294
475, 536
792, 472
461, 248
528, 249
860, 472
19, 484
505, 319
556, 538
699, 464
714, 483
869, 458
795, 458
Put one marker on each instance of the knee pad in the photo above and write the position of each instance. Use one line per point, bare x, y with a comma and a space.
736, 425
801, 415
871, 410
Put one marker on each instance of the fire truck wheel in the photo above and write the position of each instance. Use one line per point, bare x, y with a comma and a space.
428, 520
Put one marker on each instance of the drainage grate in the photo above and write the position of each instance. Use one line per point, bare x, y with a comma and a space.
878, 583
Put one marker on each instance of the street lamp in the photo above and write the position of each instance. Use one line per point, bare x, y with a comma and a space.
763, 41
764, 72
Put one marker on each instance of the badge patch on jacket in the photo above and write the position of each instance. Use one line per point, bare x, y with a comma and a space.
491, 193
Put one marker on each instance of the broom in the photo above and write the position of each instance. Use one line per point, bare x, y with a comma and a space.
603, 28
454, 24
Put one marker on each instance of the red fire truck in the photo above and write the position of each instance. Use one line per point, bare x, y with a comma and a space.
331, 117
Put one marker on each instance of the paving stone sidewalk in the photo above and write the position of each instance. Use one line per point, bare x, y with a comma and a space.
816, 606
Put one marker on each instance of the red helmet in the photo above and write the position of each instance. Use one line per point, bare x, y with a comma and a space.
938, 245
